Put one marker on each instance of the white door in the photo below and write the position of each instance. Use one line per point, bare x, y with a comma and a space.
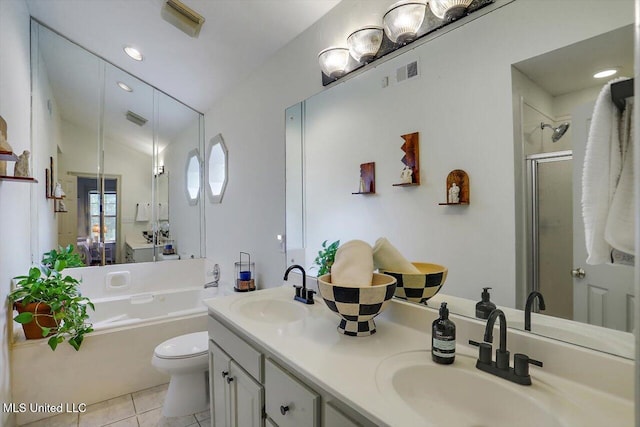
247, 398
219, 364
602, 294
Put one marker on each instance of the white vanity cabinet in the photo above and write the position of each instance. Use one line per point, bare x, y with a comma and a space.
289, 403
248, 387
138, 252
235, 372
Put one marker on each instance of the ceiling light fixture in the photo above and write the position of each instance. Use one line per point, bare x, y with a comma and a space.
333, 61
124, 87
402, 21
365, 43
605, 73
449, 10
133, 53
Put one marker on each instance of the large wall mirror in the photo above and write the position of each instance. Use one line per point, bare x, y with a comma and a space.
118, 147
482, 91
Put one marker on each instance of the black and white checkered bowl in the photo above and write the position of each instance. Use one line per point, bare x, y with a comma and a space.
357, 306
419, 287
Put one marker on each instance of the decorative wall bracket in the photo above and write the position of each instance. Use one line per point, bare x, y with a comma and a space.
457, 188
410, 175
367, 178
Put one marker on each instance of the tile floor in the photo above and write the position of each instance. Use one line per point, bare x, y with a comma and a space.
140, 409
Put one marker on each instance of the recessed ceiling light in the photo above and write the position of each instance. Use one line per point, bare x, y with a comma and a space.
123, 86
133, 53
605, 73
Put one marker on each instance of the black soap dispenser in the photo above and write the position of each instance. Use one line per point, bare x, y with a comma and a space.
485, 307
443, 338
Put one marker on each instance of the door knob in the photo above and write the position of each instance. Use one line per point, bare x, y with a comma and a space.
284, 409
578, 273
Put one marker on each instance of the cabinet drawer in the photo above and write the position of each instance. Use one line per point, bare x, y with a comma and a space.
248, 357
289, 403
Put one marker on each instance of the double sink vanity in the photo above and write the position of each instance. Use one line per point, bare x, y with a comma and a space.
278, 362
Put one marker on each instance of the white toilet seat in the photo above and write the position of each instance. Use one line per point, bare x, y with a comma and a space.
186, 359
183, 346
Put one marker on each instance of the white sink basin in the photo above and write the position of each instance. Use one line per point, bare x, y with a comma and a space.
288, 316
459, 394
271, 310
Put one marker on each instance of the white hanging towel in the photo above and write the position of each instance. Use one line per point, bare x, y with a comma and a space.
163, 211
143, 211
602, 165
620, 227
601, 175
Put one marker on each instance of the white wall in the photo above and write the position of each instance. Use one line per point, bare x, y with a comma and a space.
46, 130
457, 131
15, 228
184, 219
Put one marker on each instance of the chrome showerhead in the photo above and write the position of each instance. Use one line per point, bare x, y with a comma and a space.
558, 132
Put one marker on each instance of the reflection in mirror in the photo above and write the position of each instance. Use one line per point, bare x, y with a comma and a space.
217, 169
472, 121
108, 134
193, 177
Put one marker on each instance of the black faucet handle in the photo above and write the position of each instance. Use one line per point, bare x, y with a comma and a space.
298, 290
484, 351
521, 364
310, 293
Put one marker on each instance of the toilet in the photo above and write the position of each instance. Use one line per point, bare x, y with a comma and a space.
185, 358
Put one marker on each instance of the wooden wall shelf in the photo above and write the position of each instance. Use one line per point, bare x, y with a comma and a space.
18, 178
411, 158
461, 179
367, 178
8, 156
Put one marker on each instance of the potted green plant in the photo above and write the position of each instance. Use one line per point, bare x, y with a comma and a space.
49, 304
326, 256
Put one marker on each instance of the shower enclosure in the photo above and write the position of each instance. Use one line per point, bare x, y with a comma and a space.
550, 227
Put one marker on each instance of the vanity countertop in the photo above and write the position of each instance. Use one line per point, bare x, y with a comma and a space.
347, 367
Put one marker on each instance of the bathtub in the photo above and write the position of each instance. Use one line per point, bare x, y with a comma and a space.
115, 359
147, 307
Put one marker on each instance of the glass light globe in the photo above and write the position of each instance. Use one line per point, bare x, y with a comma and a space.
402, 21
333, 61
365, 43
449, 10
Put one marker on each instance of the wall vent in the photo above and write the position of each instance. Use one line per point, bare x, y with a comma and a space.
135, 118
182, 17
407, 71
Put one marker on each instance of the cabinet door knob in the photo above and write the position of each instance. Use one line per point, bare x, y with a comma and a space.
229, 380
284, 409
225, 373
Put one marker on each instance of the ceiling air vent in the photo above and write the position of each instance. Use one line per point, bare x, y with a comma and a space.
135, 118
407, 71
182, 17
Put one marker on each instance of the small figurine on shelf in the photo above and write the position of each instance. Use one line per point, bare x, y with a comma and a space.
61, 206
362, 187
454, 193
22, 165
58, 193
406, 176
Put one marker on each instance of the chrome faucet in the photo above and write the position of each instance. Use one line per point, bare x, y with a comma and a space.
216, 277
527, 308
520, 372
303, 294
